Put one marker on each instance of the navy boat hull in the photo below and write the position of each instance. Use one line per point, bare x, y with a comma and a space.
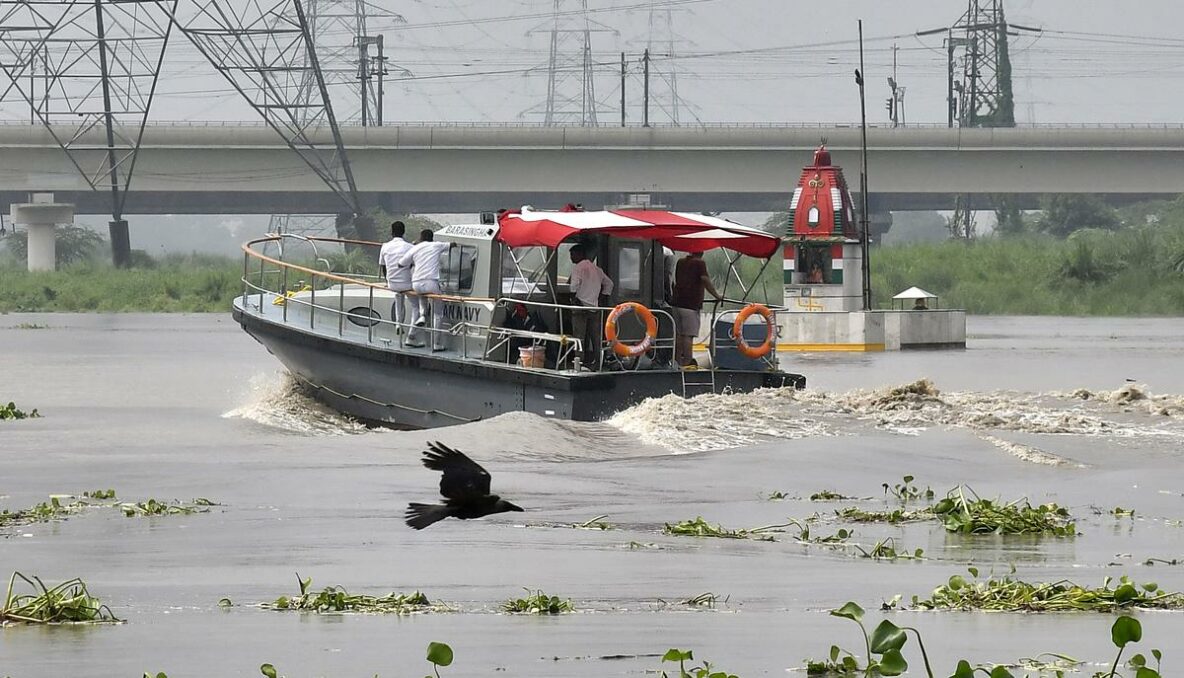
411, 389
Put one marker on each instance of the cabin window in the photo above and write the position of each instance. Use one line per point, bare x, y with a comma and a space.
629, 270
529, 276
812, 216
456, 276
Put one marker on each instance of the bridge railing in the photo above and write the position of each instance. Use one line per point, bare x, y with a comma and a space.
700, 125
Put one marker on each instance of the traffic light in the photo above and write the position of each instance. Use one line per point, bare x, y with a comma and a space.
888, 105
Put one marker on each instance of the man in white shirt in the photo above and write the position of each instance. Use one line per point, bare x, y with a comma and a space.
587, 282
398, 278
424, 260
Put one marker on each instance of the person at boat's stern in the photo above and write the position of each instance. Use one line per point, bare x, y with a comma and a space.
424, 260
398, 277
691, 280
587, 282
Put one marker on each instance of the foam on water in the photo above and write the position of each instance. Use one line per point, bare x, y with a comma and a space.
712, 422
725, 421
276, 400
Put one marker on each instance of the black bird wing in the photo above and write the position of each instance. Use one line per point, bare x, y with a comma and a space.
462, 477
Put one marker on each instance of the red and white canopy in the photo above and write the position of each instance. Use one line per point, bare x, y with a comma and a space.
680, 231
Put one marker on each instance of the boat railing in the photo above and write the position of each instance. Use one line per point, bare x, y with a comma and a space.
326, 290
571, 346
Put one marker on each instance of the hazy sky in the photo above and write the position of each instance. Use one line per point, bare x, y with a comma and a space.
742, 61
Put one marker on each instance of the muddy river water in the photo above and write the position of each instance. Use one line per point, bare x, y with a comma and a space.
1088, 413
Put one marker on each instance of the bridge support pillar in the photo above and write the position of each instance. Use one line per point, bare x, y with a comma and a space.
39, 218
121, 243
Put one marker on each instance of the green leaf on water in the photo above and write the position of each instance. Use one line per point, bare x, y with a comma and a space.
1137, 661
964, 670
267, 670
849, 611
834, 653
1145, 672
225, 602
887, 636
1126, 630
677, 655
892, 663
973, 571
957, 583
439, 654
1125, 593
1001, 672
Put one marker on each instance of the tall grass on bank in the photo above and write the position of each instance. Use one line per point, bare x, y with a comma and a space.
1132, 271
174, 284
1129, 272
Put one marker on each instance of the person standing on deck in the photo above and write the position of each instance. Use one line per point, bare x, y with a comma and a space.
690, 282
398, 278
587, 282
424, 260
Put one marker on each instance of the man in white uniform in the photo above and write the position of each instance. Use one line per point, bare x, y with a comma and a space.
398, 278
424, 260
587, 282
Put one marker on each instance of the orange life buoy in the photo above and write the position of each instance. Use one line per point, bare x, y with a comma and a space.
651, 329
762, 349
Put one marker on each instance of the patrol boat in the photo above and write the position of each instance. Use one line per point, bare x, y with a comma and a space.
336, 332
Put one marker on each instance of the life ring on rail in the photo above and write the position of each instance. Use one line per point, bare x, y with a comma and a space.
651, 329
760, 350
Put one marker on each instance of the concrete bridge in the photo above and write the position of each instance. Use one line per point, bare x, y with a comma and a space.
238, 168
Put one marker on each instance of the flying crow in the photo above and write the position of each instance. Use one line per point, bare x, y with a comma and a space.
465, 486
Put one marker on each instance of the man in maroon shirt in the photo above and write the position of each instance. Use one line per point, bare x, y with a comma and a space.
690, 282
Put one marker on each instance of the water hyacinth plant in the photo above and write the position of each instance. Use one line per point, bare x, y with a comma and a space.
1013, 595
154, 507
67, 603
10, 412
537, 602
701, 528
984, 516
682, 657
337, 599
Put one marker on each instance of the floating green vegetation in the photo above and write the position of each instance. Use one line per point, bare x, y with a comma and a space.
537, 602
1013, 595
984, 516
886, 549
31, 326
66, 603
777, 495
804, 534
894, 517
882, 650
154, 507
337, 599
906, 491
595, 523
701, 528
101, 495
705, 670
1120, 512
829, 495
57, 508
10, 411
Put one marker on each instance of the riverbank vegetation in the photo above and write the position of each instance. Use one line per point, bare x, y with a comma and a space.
1076, 256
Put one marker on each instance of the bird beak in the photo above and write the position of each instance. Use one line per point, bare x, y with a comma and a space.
515, 507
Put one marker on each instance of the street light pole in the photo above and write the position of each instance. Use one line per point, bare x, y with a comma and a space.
866, 235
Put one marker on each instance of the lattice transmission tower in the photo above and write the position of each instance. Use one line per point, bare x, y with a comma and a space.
353, 61
663, 43
265, 50
88, 70
571, 69
984, 92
